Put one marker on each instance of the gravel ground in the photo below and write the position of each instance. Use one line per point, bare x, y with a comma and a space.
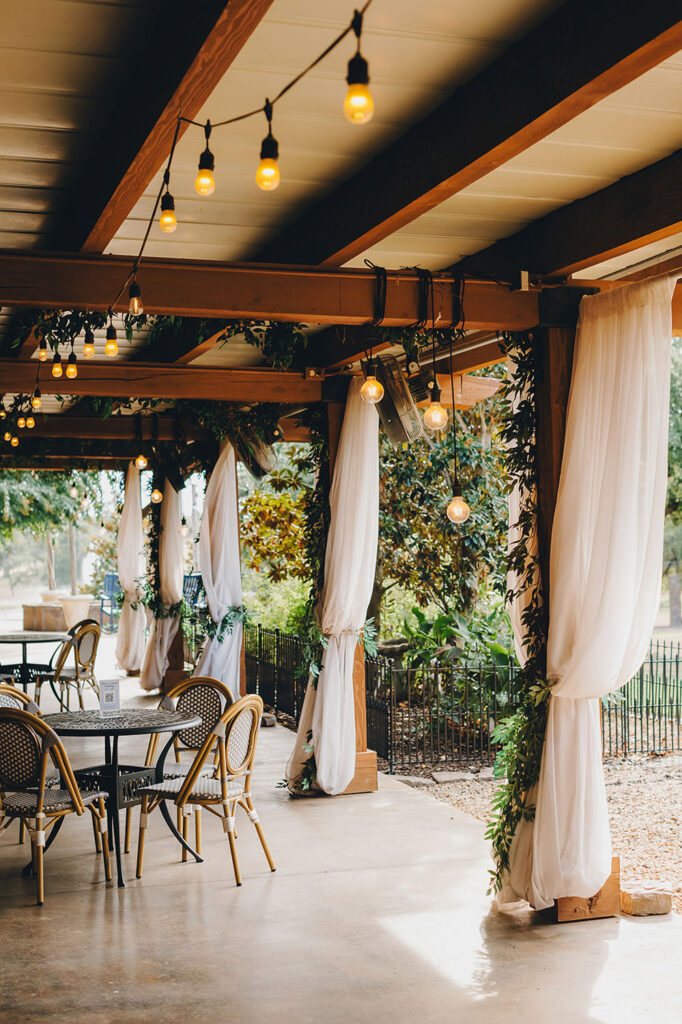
645, 807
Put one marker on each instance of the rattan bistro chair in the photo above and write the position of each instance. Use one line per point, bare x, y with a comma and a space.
203, 696
83, 641
26, 746
236, 735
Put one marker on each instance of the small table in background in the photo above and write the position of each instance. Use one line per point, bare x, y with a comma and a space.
26, 637
122, 782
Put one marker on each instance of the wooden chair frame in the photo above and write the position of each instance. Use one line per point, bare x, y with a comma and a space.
41, 821
223, 806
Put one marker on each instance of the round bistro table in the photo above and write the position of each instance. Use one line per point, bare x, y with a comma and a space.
26, 637
122, 782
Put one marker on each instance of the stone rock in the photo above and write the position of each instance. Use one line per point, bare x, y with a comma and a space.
268, 719
641, 899
416, 781
442, 777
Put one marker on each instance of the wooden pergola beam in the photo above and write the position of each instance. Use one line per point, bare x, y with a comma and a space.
640, 208
151, 380
114, 428
336, 347
251, 291
186, 58
582, 53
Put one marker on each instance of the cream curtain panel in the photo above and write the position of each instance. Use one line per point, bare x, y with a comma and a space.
605, 576
350, 559
131, 623
221, 571
171, 577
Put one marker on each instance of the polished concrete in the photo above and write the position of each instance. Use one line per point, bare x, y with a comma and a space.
377, 913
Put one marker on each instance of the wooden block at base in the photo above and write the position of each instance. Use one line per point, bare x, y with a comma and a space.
605, 903
365, 779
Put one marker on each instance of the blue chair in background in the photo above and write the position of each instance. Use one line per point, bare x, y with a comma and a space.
192, 589
108, 605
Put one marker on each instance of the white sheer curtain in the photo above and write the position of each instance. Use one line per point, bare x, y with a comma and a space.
605, 576
131, 623
171, 576
221, 571
350, 559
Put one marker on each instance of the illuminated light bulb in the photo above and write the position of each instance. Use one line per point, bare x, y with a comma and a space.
141, 461
88, 344
36, 399
57, 365
102, 527
267, 175
74, 492
458, 511
135, 307
21, 422
358, 105
8, 436
372, 390
205, 182
30, 422
42, 350
14, 442
435, 416
168, 222
111, 345
157, 496
184, 528
3, 413
71, 368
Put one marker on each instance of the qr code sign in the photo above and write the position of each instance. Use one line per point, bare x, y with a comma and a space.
109, 697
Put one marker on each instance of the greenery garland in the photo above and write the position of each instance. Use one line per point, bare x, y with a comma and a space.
521, 736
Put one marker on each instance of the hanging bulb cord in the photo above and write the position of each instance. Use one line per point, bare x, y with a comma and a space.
381, 280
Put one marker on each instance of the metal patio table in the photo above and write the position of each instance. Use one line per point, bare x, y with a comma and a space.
26, 637
120, 782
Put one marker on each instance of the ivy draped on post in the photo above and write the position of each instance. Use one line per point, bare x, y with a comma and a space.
521, 736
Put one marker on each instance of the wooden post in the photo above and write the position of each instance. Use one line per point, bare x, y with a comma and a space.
365, 779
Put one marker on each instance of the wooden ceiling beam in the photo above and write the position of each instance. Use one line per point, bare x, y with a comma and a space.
336, 347
251, 291
582, 53
114, 428
641, 208
186, 58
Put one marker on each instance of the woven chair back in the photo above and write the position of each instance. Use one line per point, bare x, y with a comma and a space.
242, 733
201, 699
20, 752
86, 641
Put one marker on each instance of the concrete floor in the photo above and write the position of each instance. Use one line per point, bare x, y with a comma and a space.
377, 913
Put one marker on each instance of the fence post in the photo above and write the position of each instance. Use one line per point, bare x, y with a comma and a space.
275, 685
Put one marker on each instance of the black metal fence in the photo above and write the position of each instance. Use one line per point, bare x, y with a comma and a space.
446, 713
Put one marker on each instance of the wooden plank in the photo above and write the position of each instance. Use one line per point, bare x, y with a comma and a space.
366, 778
635, 211
605, 903
114, 427
582, 53
250, 291
186, 59
150, 380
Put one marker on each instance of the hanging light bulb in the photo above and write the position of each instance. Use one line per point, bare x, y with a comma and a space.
267, 175
135, 307
8, 435
435, 416
358, 105
458, 511
157, 496
102, 527
184, 528
56, 365
88, 344
73, 492
141, 461
30, 422
168, 222
71, 367
111, 345
372, 391
205, 182
15, 441
36, 399
3, 412
21, 422
42, 350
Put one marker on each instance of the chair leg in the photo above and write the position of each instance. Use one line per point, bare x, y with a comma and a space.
253, 817
22, 831
104, 843
197, 828
80, 698
129, 819
228, 825
37, 690
140, 839
96, 834
40, 873
185, 832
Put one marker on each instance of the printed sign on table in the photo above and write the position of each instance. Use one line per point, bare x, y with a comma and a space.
109, 696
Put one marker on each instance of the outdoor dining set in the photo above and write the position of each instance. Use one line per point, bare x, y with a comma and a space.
39, 788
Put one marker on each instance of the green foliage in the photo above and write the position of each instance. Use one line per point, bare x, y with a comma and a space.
482, 635
104, 546
272, 527
41, 503
280, 343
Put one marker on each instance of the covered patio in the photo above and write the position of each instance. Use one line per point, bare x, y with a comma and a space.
503, 215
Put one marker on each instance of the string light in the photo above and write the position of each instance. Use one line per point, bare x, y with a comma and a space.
111, 345
71, 367
358, 105
457, 511
36, 398
30, 422
157, 496
205, 182
267, 175
15, 441
8, 435
3, 412
73, 492
42, 350
56, 365
141, 461
135, 307
168, 222
184, 528
21, 422
89, 344
372, 391
435, 416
